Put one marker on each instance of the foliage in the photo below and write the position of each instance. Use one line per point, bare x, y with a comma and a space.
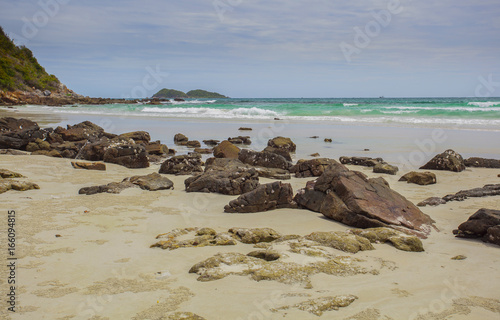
204, 94
19, 69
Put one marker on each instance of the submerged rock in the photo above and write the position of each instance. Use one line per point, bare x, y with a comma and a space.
341, 241
398, 239
204, 237
420, 178
353, 199
256, 235
265, 197
448, 160
319, 306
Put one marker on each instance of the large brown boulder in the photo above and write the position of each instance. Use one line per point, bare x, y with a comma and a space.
82, 131
226, 150
180, 139
263, 159
353, 199
18, 133
482, 163
282, 143
12, 124
485, 224
156, 148
182, 165
421, 178
150, 182
282, 152
265, 197
448, 160
225, 181
127, 155
311, 168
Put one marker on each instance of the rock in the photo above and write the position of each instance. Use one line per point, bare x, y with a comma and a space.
311, 168
485, 224
353, 199
182, 165
314, 137
282, 152
226, 150
482, 163
151, 182
47, 93
399, 239
7, 174
14, 152
314, 155
7, 184
328, 140
257, 235
459, 257
341, 241
282, 143
235, 164
89, 165
432, 201
320, 305
8, 124
82, 131
421, 178
38, 144
361, 161
127, 155
211, 143
219, 180
138, 137
193, 144
265, 197
263, 159
240, 140
204, 237
448, 160
156, 148
180, 139
184, 315
203, 151
51, 153
245, 129
385, 168
498, 175
265, 255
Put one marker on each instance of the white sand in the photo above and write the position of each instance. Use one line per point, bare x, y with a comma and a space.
102, 267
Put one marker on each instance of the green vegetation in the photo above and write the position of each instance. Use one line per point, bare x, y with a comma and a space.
19, 69
202, 94
195, 94
170, 94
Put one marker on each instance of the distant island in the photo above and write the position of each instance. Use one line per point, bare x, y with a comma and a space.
193, 94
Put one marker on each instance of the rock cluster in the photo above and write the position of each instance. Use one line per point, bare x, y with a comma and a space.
6, 182
182, 165
311, 168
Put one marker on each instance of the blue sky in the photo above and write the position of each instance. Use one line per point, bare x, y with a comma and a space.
280, 48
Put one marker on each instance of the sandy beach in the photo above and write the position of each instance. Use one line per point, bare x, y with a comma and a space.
100, 264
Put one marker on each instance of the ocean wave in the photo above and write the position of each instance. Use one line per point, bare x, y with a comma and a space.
484, 104
253, 112
469, 109
350, 104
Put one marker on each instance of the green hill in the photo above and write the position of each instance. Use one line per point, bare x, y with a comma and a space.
202, 94
19, 69
195, 94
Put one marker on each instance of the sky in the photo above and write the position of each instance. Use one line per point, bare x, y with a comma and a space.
264, 49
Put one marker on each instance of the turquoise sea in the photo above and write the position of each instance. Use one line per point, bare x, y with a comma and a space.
473, 113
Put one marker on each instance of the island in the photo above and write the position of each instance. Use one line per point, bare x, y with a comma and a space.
193, 94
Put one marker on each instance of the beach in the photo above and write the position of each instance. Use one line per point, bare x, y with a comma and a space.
89, 256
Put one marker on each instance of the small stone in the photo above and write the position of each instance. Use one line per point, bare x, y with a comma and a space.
58, 236
459, 257
366, 149
328, 140
314, 155
314, 137
245, 129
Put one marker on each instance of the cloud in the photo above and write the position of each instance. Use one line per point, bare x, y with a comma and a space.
102, 48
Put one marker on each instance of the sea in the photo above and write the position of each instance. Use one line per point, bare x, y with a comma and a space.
393, 128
